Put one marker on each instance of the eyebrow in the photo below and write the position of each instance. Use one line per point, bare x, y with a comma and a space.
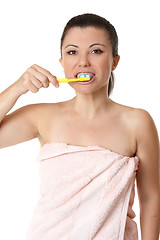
73, 45
96, 44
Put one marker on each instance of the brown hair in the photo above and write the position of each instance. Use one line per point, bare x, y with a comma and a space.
93, 20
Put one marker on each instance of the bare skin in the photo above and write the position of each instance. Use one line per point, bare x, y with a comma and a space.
90, 118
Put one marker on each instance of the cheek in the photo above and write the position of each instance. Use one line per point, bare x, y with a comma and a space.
68, 63
105, 70
67, 69
105, 67
104, 63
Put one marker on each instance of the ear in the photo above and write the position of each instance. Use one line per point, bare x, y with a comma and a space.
115, 62
61, 61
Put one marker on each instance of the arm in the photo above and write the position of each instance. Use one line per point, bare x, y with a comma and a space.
21, 125
148, 175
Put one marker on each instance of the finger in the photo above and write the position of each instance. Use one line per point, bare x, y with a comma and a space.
41, 77
36, 82
33, 88
50, 77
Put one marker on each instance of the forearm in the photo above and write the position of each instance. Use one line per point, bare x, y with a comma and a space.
150, 220
8, 98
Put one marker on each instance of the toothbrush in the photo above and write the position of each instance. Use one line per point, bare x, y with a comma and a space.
65, 80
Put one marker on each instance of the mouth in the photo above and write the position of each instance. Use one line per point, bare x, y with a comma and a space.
85, 74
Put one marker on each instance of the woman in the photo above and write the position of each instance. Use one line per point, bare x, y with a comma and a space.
87, 189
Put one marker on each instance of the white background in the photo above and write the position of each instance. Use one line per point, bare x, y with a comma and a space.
30, 33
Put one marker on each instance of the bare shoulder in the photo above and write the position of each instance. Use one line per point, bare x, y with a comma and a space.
39, 108
138, 122
147, 150
144, 130
25, 123
136, 117
33, 113
141, 121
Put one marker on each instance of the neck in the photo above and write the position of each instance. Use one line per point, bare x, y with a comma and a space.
90, 105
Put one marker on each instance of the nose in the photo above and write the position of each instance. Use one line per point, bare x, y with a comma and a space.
84, 61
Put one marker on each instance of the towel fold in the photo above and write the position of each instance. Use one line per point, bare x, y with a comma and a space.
87, 193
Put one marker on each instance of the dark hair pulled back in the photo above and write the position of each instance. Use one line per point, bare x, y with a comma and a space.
93, 20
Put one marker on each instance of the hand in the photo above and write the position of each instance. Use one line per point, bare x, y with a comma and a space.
34, 78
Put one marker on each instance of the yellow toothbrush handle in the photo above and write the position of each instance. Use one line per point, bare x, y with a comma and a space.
65, 80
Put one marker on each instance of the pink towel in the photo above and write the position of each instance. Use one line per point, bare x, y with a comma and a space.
86, 193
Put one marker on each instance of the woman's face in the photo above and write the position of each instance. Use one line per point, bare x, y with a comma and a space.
88, 50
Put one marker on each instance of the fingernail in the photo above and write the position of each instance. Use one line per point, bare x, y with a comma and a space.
57, 85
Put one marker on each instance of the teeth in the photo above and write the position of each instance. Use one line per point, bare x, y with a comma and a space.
80, 75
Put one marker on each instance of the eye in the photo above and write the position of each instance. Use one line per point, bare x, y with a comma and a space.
71, 52
97, 51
